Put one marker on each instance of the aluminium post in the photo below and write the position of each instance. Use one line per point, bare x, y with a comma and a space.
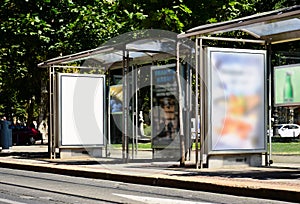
196, 101
202, 103
268, 159
51, 130
181, 107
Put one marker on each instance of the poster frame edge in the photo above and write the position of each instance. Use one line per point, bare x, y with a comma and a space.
59, 108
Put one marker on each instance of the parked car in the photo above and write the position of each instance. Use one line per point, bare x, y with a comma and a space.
288, 130
25, 135
193, 129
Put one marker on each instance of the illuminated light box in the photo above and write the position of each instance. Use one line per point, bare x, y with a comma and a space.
236, 98
286, 80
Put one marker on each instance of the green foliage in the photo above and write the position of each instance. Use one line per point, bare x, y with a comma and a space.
212, 11
166, 15
141, 146
147, 130
33, 31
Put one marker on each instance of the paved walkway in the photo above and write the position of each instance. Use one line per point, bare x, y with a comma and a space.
281, 181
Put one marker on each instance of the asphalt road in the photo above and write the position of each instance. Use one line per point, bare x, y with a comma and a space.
20, 187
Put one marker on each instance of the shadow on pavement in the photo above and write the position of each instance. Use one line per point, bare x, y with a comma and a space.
266, 173
26, 155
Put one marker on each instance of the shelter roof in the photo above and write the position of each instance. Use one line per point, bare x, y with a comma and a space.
273, 26
142, 50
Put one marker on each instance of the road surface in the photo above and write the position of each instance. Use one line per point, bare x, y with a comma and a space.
25, 187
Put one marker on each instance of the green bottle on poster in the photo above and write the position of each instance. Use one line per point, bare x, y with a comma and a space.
288, 88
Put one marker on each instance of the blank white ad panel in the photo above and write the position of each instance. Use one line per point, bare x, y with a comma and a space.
81, 109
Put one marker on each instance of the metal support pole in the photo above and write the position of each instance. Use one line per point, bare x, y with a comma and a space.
202, 104
181, 108
151, 105
268, 159
108, 144
132, 132
190, 102
134, 113
196, 102
126, 107
51, 132
124, 110
136, 110
188, 115
185, 115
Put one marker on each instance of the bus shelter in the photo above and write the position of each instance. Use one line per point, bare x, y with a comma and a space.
142, 56
226, 91
234, 81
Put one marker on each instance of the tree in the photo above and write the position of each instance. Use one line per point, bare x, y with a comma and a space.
169, 15
34, 31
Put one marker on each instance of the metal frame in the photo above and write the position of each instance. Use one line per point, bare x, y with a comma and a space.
59, 111
53, 139
203, 105
188, 110
125, 145
233, 40
51, 132
237, 151
204, 115
185, 105
181, 107
200, 70
268, 157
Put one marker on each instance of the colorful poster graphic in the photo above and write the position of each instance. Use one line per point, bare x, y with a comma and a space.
237, 99
116, 99
116, 113
286, 81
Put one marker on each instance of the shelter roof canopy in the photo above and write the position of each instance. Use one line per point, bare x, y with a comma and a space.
274, 26
145, 50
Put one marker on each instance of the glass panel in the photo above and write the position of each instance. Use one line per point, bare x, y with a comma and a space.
275, 28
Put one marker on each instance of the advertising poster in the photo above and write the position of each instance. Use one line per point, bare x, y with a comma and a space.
81, 109
286, 80
116, 99
164, 120
116, 113
237, 80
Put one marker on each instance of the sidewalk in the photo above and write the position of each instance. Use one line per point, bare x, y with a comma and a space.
281, 181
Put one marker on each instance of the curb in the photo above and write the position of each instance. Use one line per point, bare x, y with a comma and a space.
264, 193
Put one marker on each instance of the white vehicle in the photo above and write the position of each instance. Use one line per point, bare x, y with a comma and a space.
193, 129
288, 130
